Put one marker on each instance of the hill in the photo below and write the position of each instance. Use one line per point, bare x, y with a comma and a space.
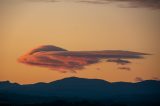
75, 89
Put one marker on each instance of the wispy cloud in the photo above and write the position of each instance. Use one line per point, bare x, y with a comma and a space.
119, 61
62, 60
139, 79
129, 3
154, 4
124, 68
155, 78
94, 1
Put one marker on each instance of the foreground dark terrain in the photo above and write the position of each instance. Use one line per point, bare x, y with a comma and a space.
81, 92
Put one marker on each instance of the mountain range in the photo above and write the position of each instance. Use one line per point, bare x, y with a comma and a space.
75, 89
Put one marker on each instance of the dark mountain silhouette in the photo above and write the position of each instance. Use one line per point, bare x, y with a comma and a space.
75, 89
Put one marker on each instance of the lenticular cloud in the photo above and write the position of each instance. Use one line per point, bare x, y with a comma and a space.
62, 60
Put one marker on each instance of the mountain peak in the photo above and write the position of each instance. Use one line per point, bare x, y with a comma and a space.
78, 78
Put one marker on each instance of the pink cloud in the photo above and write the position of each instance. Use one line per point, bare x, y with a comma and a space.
64, 61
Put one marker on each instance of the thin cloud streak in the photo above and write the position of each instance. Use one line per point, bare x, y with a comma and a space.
139, 79
155, 4
124, 68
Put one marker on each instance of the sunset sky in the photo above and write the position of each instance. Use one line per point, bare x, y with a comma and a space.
79, 26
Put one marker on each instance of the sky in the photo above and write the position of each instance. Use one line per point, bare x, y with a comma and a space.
89, 25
